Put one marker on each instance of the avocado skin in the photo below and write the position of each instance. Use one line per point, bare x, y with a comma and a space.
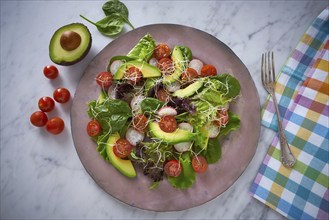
70, 63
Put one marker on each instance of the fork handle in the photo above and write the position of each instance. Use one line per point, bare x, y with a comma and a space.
287, 158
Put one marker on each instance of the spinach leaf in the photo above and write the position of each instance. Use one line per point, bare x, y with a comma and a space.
227, 84
117, 7
187, 177
214, 150
151, 105
187, 53
110, 25
143, 50
232, 125
101, 145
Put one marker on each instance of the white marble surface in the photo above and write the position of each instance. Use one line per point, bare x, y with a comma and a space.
41, 174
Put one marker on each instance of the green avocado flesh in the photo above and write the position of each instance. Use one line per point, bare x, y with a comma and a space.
64, 57
179, 63
175, 137
188, 91
147, 70
124, 166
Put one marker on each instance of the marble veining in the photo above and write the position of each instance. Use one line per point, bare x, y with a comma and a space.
42, 176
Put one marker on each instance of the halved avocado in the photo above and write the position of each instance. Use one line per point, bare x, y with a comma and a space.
70, 44
188, 91
179, 63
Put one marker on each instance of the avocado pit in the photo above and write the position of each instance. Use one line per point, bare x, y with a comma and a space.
70, 40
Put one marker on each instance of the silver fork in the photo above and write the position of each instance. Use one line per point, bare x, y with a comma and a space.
268, 80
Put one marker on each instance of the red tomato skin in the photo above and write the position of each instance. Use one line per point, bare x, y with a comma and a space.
61, 95
166, 66
168, 123
93, 128
189, 74
104, 79
208, 70
140, 122
38, 118
172, 168
50, 71
162, 95
122, 148
133, 75
46, 104
199, 164
55, 125
222, 117
161, 51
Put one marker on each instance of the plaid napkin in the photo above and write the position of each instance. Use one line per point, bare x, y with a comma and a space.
303, 94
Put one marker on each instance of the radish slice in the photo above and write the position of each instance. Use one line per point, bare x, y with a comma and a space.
185, 126
213, 130
182, 147
196, 64
112, 91
115, 66
167, 111
135, 103
153, 62
134, 137
173, 87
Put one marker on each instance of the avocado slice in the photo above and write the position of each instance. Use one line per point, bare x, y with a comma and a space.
188, 91
179, 62
147, 70
70, 44
124, 166
175, 137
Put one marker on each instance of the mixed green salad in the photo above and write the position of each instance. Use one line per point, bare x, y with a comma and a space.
162, 110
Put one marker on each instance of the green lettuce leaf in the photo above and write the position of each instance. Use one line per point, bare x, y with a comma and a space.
214, 150
143, 50
232, 125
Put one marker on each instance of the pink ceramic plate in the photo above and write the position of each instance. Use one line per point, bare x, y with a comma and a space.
238, 148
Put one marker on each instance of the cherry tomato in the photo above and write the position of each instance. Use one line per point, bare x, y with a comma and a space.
140, 122
46, 104
50, 71
161, 51
208, 70
166, 66
172, 168
62, 95
189, 74
93, 128
199, 164
222, 117
162, 95
39, 118
104, 79
168, 123
122, 148
133, 75
55, 125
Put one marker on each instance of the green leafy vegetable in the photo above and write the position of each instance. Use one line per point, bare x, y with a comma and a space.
187, 53
117, 7
187, 177
232, 125
110, 25
214, 151
151, 105
143, 50
229, 85
101, 145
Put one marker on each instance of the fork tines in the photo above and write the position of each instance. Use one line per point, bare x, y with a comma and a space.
268, 71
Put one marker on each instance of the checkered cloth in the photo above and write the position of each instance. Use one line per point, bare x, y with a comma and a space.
303, 94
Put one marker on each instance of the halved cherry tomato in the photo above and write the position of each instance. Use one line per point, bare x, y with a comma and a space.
50, 71
166, 66
46, 104
199, 164
161, 51
162, 95
55, 125
168, 123
222, 117
189, 74
93, 128
122, 148
172, 168
39, 118
62, 95
208, 70
140, 122
104, 79
133, 75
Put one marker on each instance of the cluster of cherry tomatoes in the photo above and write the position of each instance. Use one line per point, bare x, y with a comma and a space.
54, 125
